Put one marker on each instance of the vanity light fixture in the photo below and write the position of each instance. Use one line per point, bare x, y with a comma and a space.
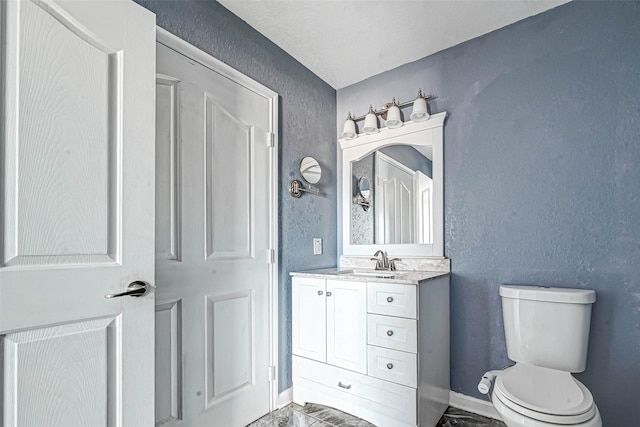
420, 112
349, 129
371, 122
390, 112
393, 120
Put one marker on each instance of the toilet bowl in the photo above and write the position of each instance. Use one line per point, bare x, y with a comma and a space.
547, 335
534, 396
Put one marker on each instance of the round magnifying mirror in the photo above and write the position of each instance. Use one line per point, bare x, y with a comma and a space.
310, 170
364, 188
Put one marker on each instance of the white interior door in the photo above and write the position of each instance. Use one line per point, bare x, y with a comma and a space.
394, 201
214, 249
76, 213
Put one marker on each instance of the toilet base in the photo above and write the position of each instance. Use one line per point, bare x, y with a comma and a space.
514, 419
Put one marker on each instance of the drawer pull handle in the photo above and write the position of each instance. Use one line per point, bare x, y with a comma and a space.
389, 365
328, 293
347, 386
389, 299
389, 332
320, 292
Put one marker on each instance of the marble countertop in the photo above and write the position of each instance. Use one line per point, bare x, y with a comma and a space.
370, 275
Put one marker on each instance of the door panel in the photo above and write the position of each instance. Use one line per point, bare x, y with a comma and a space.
347, 325
82, 353
309, 318
76, 213
230, 183
168, 362
213, 198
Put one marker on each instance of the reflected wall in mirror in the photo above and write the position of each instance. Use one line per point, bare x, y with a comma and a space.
401, 180
404, 167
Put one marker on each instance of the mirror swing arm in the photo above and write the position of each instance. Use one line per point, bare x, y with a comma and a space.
420, 135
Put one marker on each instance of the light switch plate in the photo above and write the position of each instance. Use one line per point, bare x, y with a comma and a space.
317, 246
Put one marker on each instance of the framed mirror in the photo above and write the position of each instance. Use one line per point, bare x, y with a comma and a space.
405, 170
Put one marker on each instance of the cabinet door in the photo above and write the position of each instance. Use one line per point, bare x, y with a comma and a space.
347, 325
309, 318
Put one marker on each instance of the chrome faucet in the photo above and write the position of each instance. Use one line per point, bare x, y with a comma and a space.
384, 263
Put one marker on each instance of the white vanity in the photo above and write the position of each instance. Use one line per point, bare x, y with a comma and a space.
369, 340
375, 347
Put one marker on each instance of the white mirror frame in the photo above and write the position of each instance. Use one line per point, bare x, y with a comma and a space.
417, 134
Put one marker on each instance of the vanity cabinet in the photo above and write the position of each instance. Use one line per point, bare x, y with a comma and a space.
330, 322
375, 349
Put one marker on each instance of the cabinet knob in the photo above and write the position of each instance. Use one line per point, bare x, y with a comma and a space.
389, 299
389, 365
328, 293
320, 292
389, 332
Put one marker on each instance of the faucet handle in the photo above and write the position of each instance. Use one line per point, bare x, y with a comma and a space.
379, 263
392, 263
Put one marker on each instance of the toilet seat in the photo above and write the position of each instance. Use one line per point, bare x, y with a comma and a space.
545, 394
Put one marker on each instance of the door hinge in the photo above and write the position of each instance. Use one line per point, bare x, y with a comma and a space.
271, 256
271, 139
272, 373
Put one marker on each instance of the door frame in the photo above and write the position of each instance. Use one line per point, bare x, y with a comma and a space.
190, 51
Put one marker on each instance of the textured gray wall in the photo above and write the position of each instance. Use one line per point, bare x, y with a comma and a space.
542, 181
307, 128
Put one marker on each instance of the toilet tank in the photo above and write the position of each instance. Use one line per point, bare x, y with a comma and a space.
547, 327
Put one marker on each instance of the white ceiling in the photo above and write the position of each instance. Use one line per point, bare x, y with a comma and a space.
344, 42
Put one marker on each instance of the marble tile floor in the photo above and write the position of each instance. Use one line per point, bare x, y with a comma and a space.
323, 416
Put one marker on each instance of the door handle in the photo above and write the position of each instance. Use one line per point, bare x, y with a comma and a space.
135, 289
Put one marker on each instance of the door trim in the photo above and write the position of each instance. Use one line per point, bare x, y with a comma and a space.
175, 43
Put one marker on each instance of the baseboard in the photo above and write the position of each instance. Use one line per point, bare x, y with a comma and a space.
471, 404
285, 398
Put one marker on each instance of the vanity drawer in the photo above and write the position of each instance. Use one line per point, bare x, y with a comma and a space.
393, 365
395, 333
382, 402
392, 299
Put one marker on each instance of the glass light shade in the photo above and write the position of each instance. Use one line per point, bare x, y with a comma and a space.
349, 129
393, 117
420, 112
370, 123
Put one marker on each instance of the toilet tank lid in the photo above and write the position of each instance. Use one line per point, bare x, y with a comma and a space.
539, 293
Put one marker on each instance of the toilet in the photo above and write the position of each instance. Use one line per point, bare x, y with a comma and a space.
547, 334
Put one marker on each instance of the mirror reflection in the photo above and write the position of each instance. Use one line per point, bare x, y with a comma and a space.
310, 170
399, 186
363, 188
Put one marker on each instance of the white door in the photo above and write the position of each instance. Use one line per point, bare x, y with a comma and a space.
424, 206
213, 264
77, 213
309, 306
347, 325
394, 201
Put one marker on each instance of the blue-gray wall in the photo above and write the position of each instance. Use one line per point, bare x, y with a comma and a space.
307, 128
542, 181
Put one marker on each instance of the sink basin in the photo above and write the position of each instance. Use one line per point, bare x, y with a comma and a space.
374, 273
